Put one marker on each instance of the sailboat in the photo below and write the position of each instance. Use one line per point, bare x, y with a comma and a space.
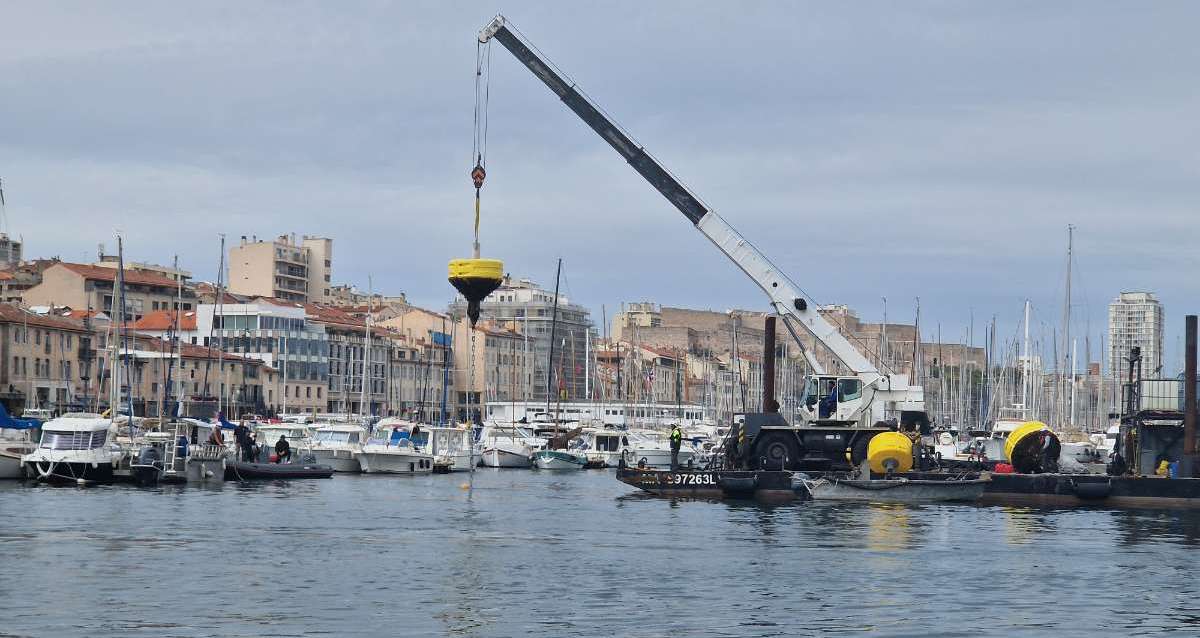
555, 455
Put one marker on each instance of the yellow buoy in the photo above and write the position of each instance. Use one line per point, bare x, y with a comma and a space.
476, 279
1018, 434
890, 452
1032, 448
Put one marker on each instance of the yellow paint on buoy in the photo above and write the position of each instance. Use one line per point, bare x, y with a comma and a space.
890, 451
1016, 436
476, 279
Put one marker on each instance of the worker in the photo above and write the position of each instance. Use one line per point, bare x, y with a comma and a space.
282, 449
676, 442
241, 434
216, 438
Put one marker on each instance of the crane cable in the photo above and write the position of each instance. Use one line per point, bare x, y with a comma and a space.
483, 65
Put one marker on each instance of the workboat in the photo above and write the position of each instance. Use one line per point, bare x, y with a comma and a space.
507, 446
74, 448
896, 489
304, 468
16, 441
652, 449
395, 454
451, 447
558, 460
338, 445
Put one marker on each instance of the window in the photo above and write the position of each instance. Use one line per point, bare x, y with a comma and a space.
37, 337
308, 392
849, 389
318, 392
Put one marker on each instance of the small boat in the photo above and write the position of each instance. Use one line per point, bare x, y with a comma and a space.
451, 447
15, 442
895, 489
338, 445
395, 454
559, 460
305, 468
603, 448
507, 446
74, 448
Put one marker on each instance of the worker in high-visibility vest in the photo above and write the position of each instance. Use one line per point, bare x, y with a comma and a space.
676, 442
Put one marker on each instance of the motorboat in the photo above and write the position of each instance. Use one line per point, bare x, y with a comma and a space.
75, 448
393, 452
602, 447
451, 447
509, 445
337, 445
547, 459
299, 435
652, 449
16, 441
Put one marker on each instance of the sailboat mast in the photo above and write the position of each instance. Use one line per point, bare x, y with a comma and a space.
553, 335
1067, 344
366, 375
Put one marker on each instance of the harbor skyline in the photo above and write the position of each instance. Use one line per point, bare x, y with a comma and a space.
831, 124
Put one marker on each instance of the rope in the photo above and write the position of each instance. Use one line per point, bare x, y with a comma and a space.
471, 378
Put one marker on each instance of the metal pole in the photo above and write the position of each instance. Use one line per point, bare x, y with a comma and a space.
768, 399
1189, 387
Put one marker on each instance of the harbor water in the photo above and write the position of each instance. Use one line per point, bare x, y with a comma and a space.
519, 553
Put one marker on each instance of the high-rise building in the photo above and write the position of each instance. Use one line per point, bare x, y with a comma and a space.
525, 307
1135, 319
282, 268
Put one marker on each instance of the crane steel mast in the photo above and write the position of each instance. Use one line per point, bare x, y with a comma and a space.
785, 297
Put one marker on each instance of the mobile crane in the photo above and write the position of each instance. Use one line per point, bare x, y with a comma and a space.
840, 412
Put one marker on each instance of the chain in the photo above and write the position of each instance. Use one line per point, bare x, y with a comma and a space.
471, 378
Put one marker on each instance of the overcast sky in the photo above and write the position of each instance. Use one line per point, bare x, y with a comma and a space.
880, 149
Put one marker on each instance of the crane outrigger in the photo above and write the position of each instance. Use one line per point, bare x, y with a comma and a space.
840, 412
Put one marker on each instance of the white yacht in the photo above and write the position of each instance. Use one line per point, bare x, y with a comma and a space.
652, 449
75, 447
451, 447
392, 452
602, 447
507, 445
338, 446
299, 435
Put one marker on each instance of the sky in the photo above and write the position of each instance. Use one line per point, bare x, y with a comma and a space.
872, 150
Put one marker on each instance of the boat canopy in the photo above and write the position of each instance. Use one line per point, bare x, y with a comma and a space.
13, 423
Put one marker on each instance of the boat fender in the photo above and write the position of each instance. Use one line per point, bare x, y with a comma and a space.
642, 463
1091, 490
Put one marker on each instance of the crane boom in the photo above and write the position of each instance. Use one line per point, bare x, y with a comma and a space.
785, 298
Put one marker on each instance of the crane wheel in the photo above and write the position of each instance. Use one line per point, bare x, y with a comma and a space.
775, 451
858, 450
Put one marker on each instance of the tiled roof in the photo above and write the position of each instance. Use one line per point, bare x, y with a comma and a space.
164, 320
12, 314
99, 273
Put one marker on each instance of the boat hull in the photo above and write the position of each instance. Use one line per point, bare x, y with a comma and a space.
496, 457
339, 460
390, 463
241, 471
897, 490
10, 465
773, 486
558, 460
657, 459
64, 472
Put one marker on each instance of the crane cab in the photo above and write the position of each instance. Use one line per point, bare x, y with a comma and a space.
830, 400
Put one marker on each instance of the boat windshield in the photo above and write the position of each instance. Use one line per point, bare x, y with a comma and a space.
52, 440
334, 437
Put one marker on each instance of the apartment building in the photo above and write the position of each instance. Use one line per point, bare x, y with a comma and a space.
1135, 319
88, 287
283, 269
496, 370
39, 359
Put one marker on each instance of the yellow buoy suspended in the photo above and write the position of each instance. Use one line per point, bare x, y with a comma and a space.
1025, 447
890, 452
476, 279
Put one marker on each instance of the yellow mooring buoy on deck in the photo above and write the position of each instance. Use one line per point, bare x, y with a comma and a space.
476, 279
1026, 448
890, 452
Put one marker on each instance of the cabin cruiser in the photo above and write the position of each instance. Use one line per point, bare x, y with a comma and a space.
602, 447
77, 448
451, 447
299, 435
391, 451
338, 445
507, 445
652, 449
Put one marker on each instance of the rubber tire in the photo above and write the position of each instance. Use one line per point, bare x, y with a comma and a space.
858, 449
774, 446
